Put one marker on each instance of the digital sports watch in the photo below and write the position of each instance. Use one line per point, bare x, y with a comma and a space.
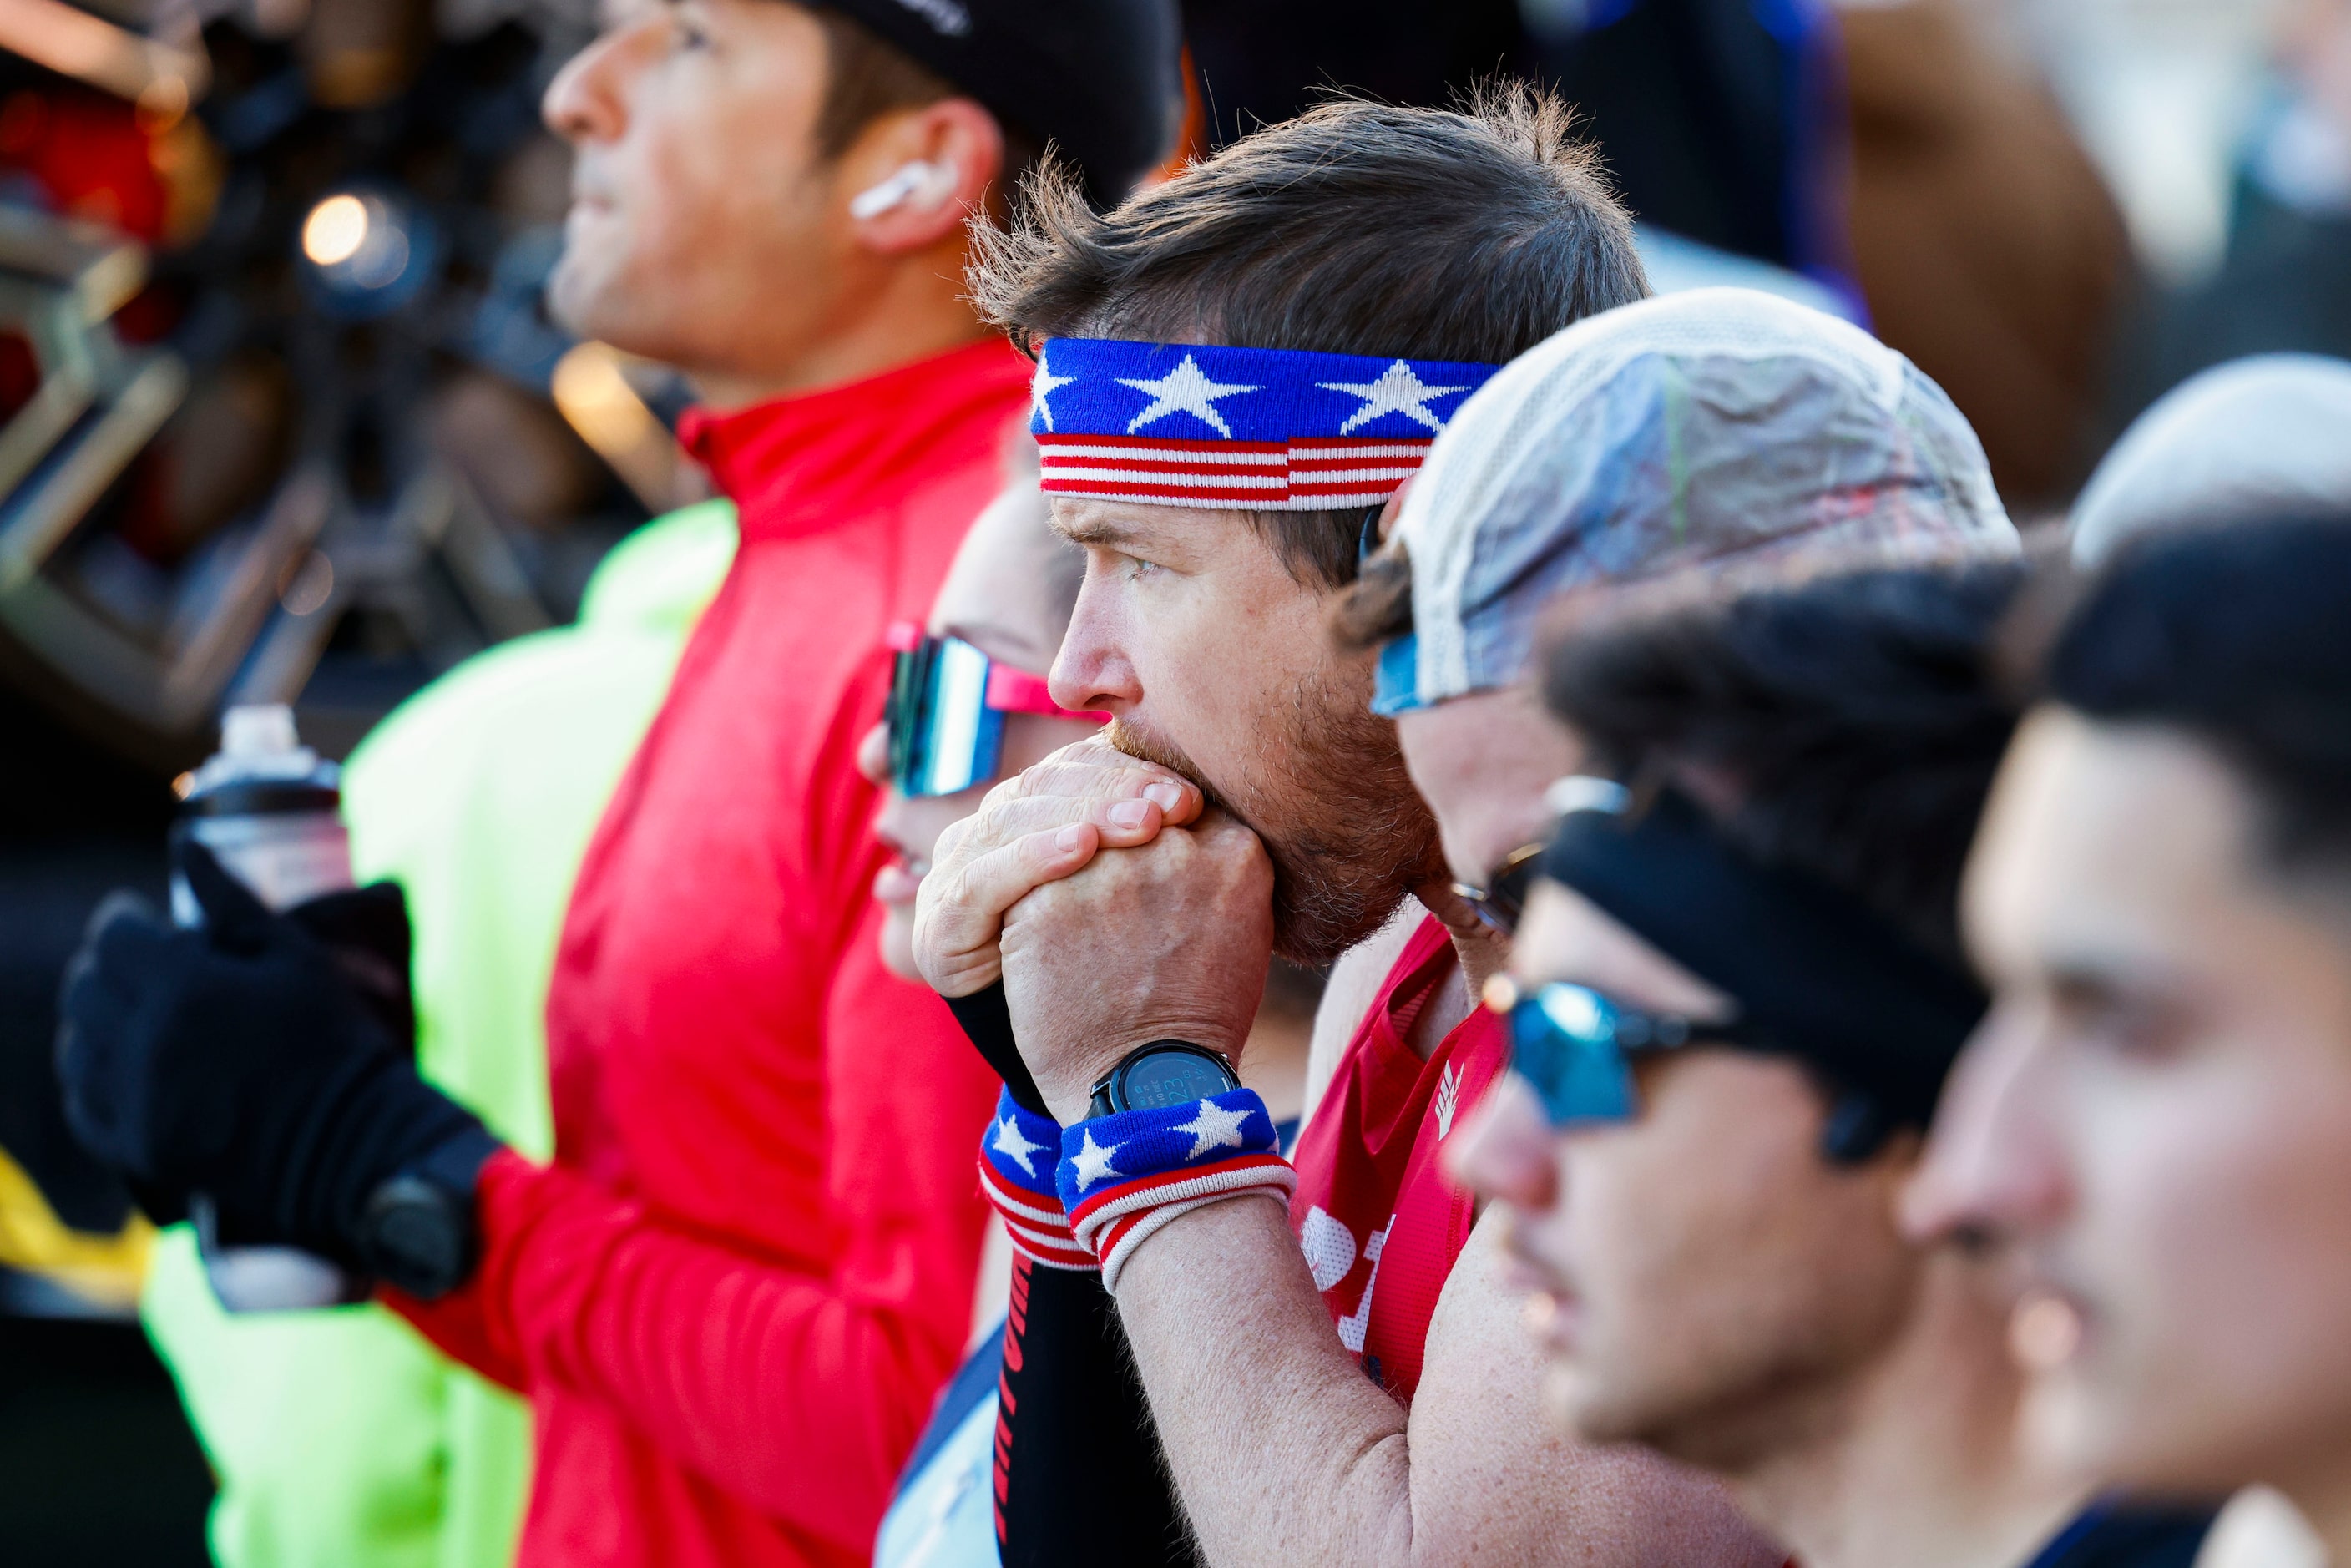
1162, 1074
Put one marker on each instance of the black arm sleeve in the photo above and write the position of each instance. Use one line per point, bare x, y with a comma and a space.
986, 1020
1078, 1478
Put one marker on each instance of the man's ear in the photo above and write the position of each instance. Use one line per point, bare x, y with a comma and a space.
912, 177
1394, 508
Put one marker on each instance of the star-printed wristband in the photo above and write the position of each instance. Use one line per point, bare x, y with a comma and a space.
1016, 1171
1122, 1176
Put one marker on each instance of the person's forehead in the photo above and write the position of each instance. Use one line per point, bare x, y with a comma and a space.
612, 16
2113, 839
1456, 729
1001, 634
1564, 936
1118, 525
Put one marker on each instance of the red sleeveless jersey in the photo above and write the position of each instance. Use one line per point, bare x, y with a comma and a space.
1380, 1225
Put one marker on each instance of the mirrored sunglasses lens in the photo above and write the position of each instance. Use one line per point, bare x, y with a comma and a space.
1564, 1042
903, 716
943, 737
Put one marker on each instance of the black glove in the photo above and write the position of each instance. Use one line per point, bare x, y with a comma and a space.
239, 1060
366, 930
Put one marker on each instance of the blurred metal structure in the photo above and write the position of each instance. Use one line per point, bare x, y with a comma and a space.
96, 406
286, 430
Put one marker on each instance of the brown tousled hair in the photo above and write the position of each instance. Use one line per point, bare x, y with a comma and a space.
1469, 234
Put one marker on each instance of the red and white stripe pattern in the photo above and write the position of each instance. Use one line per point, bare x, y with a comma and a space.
1123, 1176
1114, 1227
1207, 425
1304, 474
1016, 1173
1038, 1228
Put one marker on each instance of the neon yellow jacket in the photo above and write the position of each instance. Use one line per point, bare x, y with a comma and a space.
339, 1439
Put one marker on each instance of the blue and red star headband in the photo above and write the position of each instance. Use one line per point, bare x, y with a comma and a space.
1187, 424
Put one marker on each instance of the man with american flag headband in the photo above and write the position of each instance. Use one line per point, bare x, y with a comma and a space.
1235, 373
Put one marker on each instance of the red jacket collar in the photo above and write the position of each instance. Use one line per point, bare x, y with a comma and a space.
796, 465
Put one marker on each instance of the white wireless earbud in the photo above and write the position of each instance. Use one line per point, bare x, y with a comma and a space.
928, 180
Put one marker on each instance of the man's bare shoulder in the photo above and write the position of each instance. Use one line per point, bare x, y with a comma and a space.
1355, 981
1493, 1479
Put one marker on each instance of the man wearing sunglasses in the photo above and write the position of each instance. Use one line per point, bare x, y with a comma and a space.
1732, 1002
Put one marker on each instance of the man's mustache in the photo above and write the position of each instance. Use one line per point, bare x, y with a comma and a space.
1125, 736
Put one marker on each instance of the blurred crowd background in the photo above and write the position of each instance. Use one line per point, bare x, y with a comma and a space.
282, 419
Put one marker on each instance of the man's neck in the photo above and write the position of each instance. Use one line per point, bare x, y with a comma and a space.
1912, 1461
915, 311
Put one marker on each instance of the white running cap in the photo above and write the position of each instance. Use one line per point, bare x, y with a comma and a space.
1711, 427
2268, 436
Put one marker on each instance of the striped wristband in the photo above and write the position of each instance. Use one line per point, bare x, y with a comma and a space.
1125, 1176
1016, 1171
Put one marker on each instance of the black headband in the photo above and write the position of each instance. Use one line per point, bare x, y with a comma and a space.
1816, 973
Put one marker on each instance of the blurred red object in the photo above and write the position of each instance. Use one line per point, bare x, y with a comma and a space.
90, 156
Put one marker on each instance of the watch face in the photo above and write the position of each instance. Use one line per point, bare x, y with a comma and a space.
417, 1237
1164, 1078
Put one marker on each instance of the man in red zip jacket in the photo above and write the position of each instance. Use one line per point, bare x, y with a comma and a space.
735, 1291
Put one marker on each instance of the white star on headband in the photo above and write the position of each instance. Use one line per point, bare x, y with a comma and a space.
1398, 390
1043, 385
1184, 389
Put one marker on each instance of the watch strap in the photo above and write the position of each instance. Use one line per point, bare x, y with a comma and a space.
418, 1233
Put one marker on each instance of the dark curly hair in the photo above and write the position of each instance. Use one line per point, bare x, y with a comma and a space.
2240, 636
1847, 726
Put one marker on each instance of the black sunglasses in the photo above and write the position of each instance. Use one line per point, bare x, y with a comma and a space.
1503, 899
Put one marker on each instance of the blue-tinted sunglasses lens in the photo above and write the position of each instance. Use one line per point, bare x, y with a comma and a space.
1563, 1041
943, 737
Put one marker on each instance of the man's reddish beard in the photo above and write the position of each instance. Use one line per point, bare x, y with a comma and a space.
1348, 834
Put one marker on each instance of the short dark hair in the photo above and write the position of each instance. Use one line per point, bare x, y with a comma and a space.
1469, 234
1847, 726
867, 77
2240, 636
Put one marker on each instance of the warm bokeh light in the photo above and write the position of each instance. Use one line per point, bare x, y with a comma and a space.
592, 393
335, 230
162, 79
